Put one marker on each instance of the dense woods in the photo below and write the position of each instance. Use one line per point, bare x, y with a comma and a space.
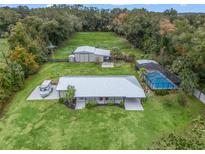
175, 40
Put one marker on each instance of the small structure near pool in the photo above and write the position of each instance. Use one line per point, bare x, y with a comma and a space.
157, 77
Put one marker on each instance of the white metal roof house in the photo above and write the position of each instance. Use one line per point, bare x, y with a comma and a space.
91, 54
103, 89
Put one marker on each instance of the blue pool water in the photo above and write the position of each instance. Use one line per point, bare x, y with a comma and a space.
157, 80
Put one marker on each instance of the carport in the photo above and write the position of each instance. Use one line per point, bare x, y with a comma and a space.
133, 104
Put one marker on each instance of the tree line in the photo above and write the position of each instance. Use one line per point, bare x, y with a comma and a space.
175, 40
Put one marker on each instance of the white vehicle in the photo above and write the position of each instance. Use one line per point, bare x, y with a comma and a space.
45, 88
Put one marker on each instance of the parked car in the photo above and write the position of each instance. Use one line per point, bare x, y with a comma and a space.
45, 88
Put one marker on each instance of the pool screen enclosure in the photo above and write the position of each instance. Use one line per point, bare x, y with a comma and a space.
157, 80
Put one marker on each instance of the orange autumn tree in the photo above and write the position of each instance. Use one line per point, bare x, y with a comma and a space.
25, 59
166, 26
118, 22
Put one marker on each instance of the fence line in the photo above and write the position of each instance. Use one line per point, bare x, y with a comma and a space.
57, 60
199, 95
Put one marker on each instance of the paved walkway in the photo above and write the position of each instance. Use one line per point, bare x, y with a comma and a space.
133, 104
107, 65
80, 104
35, 95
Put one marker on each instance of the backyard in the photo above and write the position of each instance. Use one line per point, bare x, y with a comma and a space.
51, 125
106, 40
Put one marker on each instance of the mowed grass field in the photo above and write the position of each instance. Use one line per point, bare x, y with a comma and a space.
51, 125
106, 40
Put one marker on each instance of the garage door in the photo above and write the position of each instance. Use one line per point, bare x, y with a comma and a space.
83, 57
86, 58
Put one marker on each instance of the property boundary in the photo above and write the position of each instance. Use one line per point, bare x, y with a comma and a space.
199, 95
58, 60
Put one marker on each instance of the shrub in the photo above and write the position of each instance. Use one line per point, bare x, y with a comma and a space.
122, 104
91, 104
181, 99
144, 100
168, 102
110, 103
191, 139
130, 57
61, 100
115, 49
161, 92
70, 93
117, 54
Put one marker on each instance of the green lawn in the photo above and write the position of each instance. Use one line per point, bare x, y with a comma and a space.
50, 125
106, 40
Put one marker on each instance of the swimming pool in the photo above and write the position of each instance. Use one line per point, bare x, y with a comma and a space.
157, 80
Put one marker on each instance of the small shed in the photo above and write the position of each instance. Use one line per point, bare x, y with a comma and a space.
71, 58
91, 54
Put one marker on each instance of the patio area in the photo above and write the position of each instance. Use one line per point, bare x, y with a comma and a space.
80, 103
107, 65
133, 104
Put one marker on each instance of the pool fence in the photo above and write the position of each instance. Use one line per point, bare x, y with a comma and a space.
199, 95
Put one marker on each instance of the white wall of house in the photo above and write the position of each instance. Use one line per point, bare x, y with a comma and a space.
88, 58
100, 100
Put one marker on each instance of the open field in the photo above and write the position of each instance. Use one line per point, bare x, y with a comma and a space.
51, 125
106, 40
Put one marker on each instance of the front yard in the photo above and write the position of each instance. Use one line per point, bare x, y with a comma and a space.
51, 125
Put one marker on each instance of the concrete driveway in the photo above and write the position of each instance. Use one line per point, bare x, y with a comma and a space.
35, 95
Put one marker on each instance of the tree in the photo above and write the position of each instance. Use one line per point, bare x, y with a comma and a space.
166, 26
18, 36
7, 17
49, 30
171, 13
11, 79
70, 94
181, 63
25, 59
189, 81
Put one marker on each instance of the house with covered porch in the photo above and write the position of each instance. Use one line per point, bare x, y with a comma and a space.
103, 89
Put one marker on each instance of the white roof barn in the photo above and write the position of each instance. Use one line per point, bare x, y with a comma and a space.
92, 50
103, 86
